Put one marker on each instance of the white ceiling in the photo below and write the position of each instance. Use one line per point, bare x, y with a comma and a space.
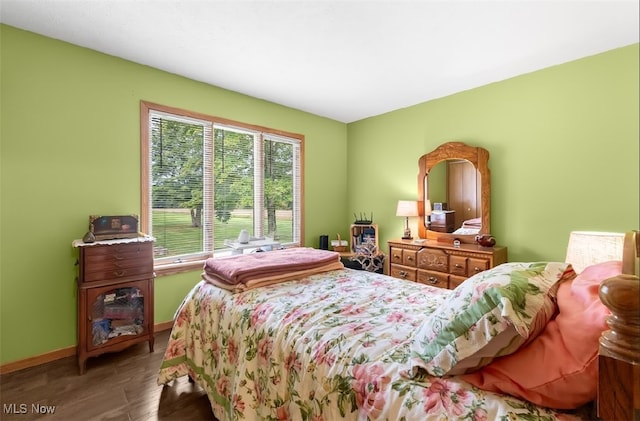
344, 60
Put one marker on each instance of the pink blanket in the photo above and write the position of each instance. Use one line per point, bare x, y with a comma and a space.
263, 281
241, 269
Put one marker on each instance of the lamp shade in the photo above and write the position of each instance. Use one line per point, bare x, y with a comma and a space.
427, 207
587, 248
407, 208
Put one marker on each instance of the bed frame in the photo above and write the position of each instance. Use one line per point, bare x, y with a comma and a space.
619, 355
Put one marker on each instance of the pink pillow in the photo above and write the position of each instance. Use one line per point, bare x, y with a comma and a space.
558, 369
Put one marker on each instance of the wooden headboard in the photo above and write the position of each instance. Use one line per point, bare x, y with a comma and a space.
619, 356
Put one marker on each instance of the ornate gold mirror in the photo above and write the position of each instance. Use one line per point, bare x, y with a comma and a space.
456, 176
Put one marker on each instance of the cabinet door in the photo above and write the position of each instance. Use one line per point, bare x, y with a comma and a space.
117, 313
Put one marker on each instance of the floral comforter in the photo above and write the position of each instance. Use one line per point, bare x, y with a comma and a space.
327, 347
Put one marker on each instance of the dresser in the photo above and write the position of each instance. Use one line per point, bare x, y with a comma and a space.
441, 264
115, 296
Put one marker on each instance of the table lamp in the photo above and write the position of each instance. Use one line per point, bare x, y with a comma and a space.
407, 208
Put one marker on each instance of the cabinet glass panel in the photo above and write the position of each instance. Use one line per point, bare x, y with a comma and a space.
117, 312
364, 238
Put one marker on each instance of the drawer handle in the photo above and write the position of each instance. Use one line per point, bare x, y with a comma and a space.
458, 266
403, 274
410, 258
118, 257
119, 273
477, 269
433, 280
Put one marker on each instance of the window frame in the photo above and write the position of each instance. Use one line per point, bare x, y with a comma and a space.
146, 108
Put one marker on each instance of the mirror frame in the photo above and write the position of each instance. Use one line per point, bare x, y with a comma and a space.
479, 157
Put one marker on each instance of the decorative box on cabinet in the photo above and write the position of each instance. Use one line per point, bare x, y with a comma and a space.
115, 296
441, 264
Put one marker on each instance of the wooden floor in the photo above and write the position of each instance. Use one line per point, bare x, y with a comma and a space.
119, 386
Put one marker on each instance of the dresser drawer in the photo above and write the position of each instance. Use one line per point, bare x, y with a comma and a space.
117, 249
118, 262
101, 262
443, 217
458, 265
442, 228
409, 257
403, 272
118, 274
455, 280
403, 257
395, 255
433, 259
476, 265
435, 279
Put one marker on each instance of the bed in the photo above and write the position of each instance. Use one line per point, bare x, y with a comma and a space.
469, 227
321, 342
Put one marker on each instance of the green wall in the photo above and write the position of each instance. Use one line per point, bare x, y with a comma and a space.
70, 138
563, 144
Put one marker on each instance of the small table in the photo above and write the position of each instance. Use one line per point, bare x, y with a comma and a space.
443, 221
264, 245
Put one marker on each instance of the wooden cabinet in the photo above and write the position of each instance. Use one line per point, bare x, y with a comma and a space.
115, 296
360, 233
441, 264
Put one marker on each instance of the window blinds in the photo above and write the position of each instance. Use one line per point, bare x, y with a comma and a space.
181, 183
205, 179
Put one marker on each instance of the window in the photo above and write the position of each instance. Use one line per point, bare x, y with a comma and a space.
204, 179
